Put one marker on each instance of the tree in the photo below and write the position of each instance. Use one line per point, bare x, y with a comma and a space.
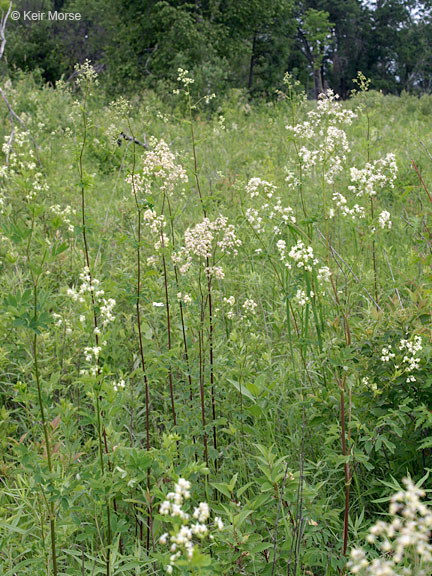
314, 31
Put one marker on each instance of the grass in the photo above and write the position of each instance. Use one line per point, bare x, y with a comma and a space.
283, 415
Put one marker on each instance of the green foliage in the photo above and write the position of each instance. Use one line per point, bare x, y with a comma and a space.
80, 444
241, 44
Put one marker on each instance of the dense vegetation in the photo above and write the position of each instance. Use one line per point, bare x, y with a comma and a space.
244, 44
228, 303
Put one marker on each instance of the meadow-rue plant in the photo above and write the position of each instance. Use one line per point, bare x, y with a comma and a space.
188, 529
404, 542
170, 318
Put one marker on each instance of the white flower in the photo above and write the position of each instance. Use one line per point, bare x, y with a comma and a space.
249, 306
119, 385
387, 354
303, 256
202, 512
374, 176
384, 220
218, 523
158, 304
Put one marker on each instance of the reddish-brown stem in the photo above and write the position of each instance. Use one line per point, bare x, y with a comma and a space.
346, 470
168, 317
421, 180
201, 379
374, 260
143, 367
209, 293
95, 331
141, 351
212, 387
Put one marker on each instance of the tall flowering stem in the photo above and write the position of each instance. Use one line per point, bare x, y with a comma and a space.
87, 77
168, 317
180, 303
52, 519
183, 77
330, 153
140, 342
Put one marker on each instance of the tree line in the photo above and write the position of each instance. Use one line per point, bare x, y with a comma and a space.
244, 44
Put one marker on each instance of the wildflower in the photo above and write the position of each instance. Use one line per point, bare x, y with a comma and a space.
341, 204
119, 385
202, 512
326, 120
405, 540
218, 523
160, 169
152, 261
158, 304
185, 298
303, 256
301, 298
249, 306
184, 78
384, 220
183, 540
374, 176
387, 354
85, 73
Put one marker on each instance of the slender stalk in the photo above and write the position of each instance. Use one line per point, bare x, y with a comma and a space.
374, 259
141, 351
342, 385
40, 398
168, 318
182, 321
100, 428
46, 435
201, 374
209, 291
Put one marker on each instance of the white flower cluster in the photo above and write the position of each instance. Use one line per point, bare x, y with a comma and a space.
301, 298
341, 204
269, 208
256, 187
120, 385
91, 286
64, 215
387, 354
22, 163
230, 302
323, 125
405, 542
410, 361
181, 540
91, 354
249, 306
202, 240
159, 169
156, 225
303, 256
85, 73
384, 220
374, 176
185, 298
323, 274
59, 322
183, 77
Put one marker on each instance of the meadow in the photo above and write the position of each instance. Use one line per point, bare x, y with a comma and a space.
215, 332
